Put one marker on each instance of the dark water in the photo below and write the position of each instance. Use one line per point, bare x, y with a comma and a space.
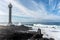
31, 23
46, 23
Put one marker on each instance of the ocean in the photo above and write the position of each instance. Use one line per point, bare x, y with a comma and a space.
46, 28
31, 23
45, 23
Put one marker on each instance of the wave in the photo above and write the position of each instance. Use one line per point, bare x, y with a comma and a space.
47, 26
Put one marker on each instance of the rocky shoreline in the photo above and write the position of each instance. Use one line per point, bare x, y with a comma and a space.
20, 33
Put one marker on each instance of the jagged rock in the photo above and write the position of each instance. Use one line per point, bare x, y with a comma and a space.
51, 39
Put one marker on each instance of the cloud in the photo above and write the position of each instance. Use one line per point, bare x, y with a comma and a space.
24, 14
20, 7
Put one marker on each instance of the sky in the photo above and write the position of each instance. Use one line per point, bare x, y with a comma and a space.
31, 10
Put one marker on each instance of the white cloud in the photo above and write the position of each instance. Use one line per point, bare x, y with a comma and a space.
40, 14
20, 7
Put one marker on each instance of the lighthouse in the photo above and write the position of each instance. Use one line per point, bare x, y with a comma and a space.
10, 14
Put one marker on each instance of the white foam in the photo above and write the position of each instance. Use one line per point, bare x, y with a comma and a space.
49, 31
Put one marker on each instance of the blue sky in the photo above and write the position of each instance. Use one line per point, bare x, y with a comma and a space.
31, 10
